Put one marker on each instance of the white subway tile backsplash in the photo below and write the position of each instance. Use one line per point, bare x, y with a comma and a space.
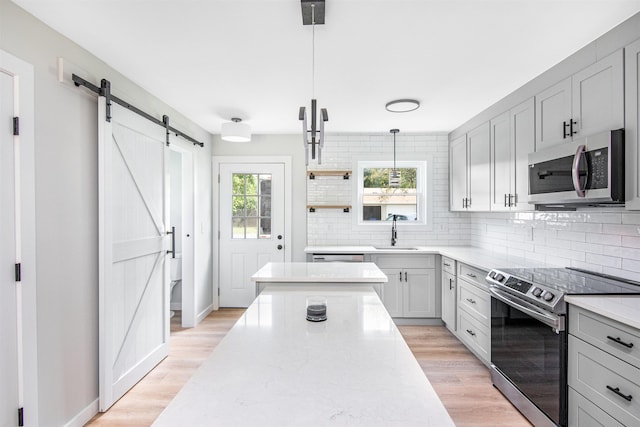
599, 239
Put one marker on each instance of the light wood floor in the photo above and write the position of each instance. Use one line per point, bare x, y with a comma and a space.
461, 381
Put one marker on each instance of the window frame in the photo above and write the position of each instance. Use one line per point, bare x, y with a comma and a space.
424, 194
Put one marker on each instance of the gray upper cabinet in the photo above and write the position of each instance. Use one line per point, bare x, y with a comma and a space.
588, 102
632, 113
512, 139
470, 174
553, 109
458, 173
479, 173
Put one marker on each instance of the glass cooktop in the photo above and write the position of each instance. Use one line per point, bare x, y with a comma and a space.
570, 281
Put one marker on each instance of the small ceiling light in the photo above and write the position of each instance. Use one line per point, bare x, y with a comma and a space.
402, 105
235, 131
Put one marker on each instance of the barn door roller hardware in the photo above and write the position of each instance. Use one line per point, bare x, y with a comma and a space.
105, 90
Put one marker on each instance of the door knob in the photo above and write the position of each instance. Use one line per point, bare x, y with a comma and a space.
279, 247
279, 236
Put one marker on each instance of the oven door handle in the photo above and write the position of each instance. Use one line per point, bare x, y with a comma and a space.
556, 322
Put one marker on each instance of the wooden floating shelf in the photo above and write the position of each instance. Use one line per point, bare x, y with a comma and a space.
345, 208
344, 173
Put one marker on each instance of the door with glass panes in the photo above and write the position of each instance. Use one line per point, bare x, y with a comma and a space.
252, 226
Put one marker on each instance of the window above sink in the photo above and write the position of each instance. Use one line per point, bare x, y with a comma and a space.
376, 202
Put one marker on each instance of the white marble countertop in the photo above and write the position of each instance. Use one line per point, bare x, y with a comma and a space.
321, 272
274, 368
622, 308
476, 257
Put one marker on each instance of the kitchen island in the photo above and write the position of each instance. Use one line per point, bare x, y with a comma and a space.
362, 274
275, 368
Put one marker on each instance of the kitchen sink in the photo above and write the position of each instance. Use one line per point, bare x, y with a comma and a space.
395, 248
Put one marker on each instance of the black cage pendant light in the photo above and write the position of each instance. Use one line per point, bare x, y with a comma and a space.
394, 176
312, 14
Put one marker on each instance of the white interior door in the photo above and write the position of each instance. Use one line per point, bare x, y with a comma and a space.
10, 333
134, 276
251, 224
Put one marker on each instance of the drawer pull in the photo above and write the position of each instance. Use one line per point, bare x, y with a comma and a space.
447, 265
472, 301
619, 341
472, 275
617, 391
473, 334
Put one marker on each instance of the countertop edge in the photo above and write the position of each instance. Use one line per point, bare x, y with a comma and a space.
621, 308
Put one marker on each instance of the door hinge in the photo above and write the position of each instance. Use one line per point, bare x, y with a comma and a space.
16, 126
20, 417
18, 272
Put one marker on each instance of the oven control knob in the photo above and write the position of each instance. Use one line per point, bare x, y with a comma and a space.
548, 296
499, 277
536, 292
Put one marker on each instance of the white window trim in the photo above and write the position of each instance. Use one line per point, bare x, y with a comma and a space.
424, 177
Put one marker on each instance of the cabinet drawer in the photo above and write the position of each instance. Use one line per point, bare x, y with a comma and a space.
583, 413
404, 261
613, 337
475, 301
473, 275
475, 335
597, 375
449, 265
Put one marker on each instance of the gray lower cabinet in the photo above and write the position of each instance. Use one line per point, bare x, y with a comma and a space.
448, 289
474, 311
604, 371
411, 291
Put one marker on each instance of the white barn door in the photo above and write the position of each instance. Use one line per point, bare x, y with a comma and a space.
10, 315
134, 279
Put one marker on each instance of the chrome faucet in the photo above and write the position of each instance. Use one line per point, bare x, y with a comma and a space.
394, 231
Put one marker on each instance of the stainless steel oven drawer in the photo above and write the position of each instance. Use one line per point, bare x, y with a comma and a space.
613, 337
608, 382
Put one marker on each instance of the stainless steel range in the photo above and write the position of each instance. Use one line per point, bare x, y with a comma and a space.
529, 338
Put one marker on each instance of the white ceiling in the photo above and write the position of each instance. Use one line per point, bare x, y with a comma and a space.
217, 59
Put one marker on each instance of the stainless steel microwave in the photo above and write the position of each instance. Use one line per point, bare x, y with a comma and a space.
589, 170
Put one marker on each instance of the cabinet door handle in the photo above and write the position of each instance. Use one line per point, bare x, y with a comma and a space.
472, 275
473, 334
619, 341
405, 277
511, 204
617, 391
565, 134
505, 200
572, 122
401, 276
450, 284
472, 301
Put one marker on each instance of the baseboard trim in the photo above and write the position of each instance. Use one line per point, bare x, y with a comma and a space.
85, 415
403, 321
204, 313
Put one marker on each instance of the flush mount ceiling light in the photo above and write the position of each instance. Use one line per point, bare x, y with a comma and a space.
312, 14
394, 176
235, 131
402, 105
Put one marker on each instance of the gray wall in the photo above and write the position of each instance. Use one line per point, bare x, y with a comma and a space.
279, 145
67, 211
